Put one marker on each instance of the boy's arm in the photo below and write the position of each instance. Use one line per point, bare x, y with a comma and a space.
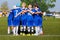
24, 11
31, 12
38, 12
18, 14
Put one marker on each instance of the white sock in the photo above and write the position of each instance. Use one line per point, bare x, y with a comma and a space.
28, 29
8, 30
32, 29
41, 30
16, 29
36, 30
24, 28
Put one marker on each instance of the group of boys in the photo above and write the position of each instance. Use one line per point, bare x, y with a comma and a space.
29, 18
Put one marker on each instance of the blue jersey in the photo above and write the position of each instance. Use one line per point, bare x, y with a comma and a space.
37, 17
37, 10
16, 20
29, 18
24, 18
10, 15
24, 9
16, 11
28, 13
10, 18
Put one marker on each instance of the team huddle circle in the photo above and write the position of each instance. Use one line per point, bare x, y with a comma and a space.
25, 20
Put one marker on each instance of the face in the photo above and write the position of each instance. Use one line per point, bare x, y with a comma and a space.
36, 7
23, 4
30, 6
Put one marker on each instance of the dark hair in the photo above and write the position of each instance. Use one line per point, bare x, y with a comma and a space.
35, 5
30, 4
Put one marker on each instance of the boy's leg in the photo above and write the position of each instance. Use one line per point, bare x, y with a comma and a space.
28, 29
36, 29
16, 28
32, 30
40, 26
24, 30
40, 30
19, 30
8, 26
8, 30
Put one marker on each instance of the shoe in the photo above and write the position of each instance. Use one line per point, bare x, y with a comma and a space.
23, 34
36, 34
16, 34
32, 34
28, 34
41, 33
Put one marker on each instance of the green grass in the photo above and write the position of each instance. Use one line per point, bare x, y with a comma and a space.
51, 27
29, 38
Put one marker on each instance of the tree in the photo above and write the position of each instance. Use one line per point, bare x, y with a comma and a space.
4, 6
0, 9
43, 4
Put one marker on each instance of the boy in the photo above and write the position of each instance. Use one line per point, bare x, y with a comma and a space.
16, 20
10, 21
23, 18
30, 19
38, 20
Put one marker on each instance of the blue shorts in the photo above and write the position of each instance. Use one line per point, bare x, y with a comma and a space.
29, 21
10, 22
16, 21
40, 21
37, 21
24, 19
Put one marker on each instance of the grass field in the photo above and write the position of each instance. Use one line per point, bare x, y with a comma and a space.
51, 28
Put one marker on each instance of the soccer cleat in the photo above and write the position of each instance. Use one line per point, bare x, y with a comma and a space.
35, 34
23, 34
32, 34
8, 33
16, 34
28, 34
41, 33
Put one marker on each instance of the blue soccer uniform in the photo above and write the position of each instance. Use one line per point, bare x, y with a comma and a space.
29, 18
10, 19
23, 18
37, 18
16, 20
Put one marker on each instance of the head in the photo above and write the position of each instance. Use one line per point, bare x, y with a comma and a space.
18, 5
14, 7
23, 4
29, 6
35, 6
